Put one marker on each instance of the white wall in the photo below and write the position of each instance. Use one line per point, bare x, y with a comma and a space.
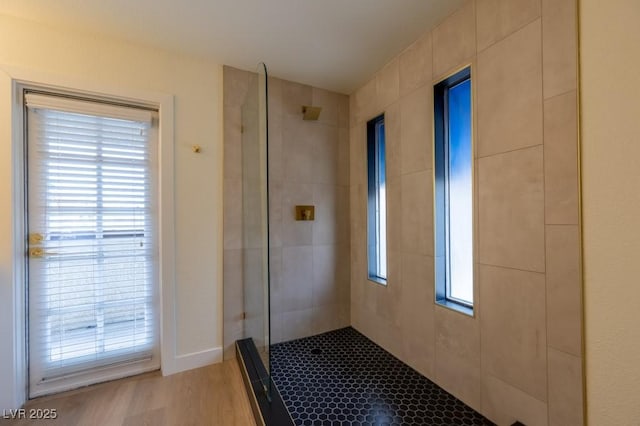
610, 66
91, 60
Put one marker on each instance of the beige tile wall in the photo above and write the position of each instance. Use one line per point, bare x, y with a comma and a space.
520, 356
308, 164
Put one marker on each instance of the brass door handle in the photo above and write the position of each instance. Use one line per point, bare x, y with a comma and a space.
39, 252
35, 238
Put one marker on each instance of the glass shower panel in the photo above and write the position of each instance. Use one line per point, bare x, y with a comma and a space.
255, 220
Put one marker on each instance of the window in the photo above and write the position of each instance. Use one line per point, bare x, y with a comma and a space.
454, 192
92, 221
377, 202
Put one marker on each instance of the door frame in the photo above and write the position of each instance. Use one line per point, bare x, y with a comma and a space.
12, 81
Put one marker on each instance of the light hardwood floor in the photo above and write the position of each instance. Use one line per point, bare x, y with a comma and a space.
212, 395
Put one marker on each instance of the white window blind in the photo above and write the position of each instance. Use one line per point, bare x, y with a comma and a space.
92, 239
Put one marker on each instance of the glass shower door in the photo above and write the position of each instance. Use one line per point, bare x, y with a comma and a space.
255, 220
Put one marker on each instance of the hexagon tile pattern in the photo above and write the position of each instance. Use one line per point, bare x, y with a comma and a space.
343, 378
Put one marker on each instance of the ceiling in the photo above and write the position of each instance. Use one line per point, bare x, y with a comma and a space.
332, 44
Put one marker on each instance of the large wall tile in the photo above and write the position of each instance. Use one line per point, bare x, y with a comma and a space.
389, 301
276, 328
417, 213
367, 322
233, 300
254, 294
511, 210
297, 149
343, 274
253, 213
297, 324
364, 105
389, 336
560, 46
342, 214
358, 276
357, 317
344, 115
324, 144
358, 214
275, 213
358, 155
509, 88
564, 292
416, 118
565, 389
232, 276
393, 141
327, 318
358, 244
232, 214
394, 213
276, 284
294, 232
513, 328
417, 343
276, 162
370, 291
235, 86
499, 18
345, 315
505, 404
343, 156
251, 160
454, 40
561, 159
325, 275
275, 97
297, 278
294, 96
232, 143
387, 84
328, 101
415, 65
275, 130
418, 282
457, 364
418, 324
353, 105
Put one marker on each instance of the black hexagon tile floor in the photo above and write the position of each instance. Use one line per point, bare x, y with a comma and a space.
343, 378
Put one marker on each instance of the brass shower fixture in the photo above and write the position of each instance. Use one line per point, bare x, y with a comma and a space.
310, 112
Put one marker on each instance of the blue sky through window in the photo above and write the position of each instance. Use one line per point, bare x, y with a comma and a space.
377, 203
460, 194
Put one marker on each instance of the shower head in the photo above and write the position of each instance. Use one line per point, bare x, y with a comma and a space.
310, 112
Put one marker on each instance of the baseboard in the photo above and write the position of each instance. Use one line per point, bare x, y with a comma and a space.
193, 360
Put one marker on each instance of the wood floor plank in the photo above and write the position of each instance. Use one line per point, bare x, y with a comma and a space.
212, 395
